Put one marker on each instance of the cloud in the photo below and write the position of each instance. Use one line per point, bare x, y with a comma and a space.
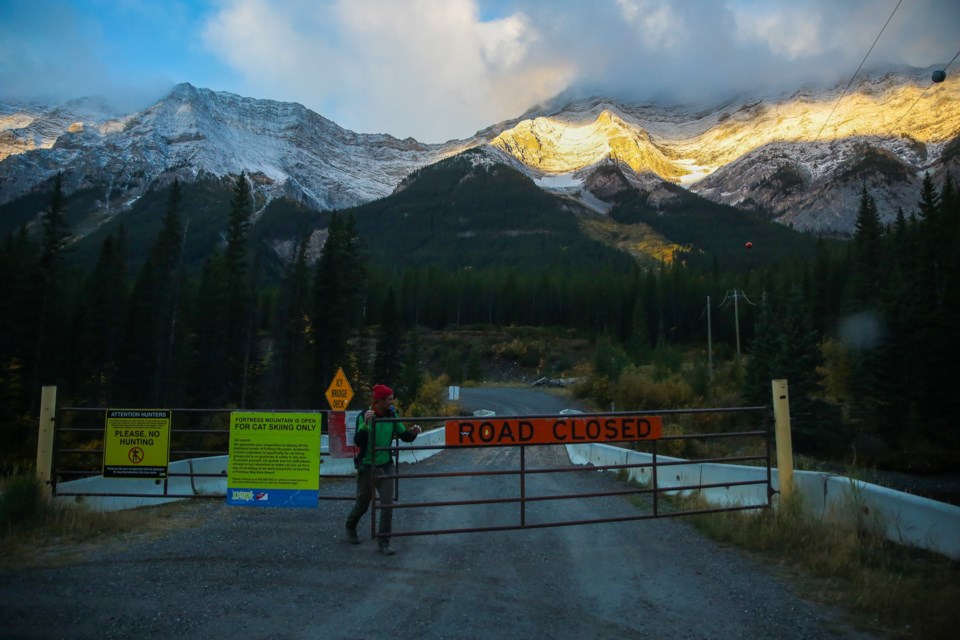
440, 69
38, 47
705, 50
56, 50
431, 69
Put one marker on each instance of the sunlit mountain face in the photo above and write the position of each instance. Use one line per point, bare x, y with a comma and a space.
684, 146
800, 157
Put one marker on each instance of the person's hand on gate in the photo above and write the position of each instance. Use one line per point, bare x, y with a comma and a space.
416, 429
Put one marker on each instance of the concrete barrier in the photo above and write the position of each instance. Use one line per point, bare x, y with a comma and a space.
901, 517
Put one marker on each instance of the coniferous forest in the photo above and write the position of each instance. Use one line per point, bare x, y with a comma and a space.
864, 330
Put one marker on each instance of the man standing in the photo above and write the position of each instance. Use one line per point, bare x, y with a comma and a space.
380, 463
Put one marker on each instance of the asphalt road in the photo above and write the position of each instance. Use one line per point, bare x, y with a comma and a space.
239, 572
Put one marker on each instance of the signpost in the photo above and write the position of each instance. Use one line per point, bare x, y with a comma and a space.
339, 433
339, 393
136, 443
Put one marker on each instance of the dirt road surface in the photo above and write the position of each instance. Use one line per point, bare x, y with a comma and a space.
288, 573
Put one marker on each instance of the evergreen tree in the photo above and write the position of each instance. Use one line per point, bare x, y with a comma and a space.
100, 325
52, 317
241, 294
760, 367
797, 360
56, 231
154, 307
291, 366
20, 291
868, 255
208, 348
411, 376
337, 296
928, 319
388, 363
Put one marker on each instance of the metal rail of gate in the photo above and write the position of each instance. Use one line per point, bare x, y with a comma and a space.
663, 505
195, 434
202, 433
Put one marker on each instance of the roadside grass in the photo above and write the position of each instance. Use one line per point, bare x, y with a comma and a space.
904, 592
34, 530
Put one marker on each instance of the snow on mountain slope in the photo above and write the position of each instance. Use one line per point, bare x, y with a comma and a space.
292, 150
770, 153
737, 153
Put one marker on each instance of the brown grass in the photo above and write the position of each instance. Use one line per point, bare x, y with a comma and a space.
50, 533
905, 592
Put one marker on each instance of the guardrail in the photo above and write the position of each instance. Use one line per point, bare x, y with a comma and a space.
900, 517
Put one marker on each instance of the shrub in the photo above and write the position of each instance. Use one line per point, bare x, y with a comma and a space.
636, 389
432, 400
21, 502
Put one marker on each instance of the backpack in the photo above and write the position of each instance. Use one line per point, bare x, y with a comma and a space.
359, 455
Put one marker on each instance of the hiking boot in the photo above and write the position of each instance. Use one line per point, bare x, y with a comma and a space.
352, 536
387, 550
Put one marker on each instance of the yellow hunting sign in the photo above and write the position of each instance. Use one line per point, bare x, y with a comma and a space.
136, 443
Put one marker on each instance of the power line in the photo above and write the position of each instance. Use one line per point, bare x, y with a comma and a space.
922, 94
857, 71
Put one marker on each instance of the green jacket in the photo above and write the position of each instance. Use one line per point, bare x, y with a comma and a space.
386, 431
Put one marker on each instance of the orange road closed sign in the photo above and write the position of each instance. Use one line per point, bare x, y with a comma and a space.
339, 393
565, 430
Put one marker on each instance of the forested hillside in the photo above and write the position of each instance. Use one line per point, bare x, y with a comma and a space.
863, 330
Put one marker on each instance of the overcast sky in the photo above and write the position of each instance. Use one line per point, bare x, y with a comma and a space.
442, 69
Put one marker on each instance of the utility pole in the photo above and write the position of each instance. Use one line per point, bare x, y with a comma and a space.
736, 319
709, 342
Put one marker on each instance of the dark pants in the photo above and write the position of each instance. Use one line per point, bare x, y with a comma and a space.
384, 488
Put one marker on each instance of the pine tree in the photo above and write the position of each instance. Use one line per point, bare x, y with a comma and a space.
51, 320
868, 255
20, 291
760, 367
388, 363
411, 376
291, 371
99, 326
208, 348
154, 307
241, 294
797, 360
337, 297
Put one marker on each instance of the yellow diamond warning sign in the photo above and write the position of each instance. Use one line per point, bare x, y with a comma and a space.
339, 393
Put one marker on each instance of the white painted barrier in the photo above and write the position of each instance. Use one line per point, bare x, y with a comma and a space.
151, 492
901, 517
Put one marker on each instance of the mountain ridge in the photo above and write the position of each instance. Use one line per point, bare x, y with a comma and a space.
758, 153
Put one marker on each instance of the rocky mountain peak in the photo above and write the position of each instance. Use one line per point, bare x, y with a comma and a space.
794, 156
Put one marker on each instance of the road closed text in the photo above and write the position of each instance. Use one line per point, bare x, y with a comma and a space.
566, 430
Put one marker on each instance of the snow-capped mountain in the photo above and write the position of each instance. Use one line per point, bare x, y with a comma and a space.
800, 157
288, 150
786, 155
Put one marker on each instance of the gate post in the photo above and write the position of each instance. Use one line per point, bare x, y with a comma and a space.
48, 411
781, 414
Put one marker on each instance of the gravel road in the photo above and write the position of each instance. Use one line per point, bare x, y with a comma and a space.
287, 573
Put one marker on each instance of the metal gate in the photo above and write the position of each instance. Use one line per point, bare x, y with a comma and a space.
727, 464
199, 447
734, 477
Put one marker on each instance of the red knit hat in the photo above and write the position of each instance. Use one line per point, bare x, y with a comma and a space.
381, 391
